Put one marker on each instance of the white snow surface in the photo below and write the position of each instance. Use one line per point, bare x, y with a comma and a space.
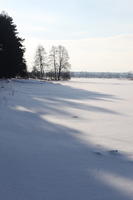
67, 140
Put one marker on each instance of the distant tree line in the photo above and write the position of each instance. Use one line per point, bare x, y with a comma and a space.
12, 62
54, 66
128, 75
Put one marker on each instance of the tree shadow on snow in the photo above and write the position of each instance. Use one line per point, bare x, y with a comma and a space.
41, 159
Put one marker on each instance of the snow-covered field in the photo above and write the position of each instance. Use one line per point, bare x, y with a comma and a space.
66, 140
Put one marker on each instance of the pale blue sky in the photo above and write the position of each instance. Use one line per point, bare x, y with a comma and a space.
80, 25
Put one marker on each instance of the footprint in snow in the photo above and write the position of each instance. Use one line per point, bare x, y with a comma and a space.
111, 152
98, 153
114, 152
74, 116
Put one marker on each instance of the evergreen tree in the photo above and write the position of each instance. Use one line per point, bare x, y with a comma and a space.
12, 62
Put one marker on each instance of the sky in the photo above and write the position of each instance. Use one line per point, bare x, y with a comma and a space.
98, 34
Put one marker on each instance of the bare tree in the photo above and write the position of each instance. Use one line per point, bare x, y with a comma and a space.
57, 62
53, 61
40, 60
62, 61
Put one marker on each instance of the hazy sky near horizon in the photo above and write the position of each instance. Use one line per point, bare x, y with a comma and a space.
98, 34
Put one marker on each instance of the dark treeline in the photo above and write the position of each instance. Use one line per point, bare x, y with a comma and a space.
128, 75
12, 61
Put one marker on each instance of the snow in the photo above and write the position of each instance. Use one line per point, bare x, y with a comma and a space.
66, 140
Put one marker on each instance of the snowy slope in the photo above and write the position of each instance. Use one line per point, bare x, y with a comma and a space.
66, 140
